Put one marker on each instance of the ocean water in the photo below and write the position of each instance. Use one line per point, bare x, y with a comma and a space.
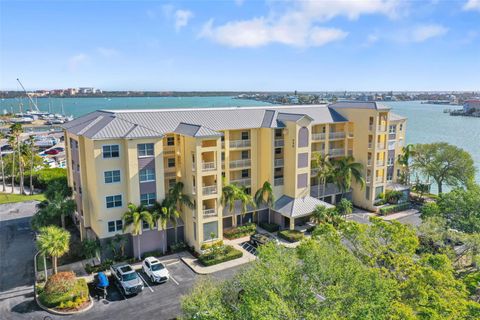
426, 123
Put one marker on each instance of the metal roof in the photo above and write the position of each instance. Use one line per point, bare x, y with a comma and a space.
360, 105
107, 124
194, 130
395, 117
298, 207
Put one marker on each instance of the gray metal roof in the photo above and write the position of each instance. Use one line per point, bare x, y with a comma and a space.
106, 124
298, 207
194, 130
360, 105
395, 117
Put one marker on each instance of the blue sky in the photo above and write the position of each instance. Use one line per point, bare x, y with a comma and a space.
241, 45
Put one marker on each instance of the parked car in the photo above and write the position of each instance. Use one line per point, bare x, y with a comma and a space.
59, 149
126, 279
258, 239
52, 151
155, 270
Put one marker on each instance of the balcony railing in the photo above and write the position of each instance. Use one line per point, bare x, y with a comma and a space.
379, 179
239, 143
382, 128
392, 136
210, 212
279, 143
350, 134
242, 182
381, 146
278, 163
170, 174
337, 135
318, 136
278, 182
336, 152
313, 172
209, 190
242, 163
369, 162
208, 166
370, 145
370, 127
380, 163
368, 179
350, 153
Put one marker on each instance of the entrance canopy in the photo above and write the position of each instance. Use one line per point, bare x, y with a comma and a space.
298, 207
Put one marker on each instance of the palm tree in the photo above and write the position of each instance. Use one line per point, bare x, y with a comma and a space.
324, 166
56, 204
161, 215
322, 214
245, 200
134, 219
2, 136
344, 207
175, 199
231, 193
404, 160
15, 131
54, 242
344, 170
265, 196
32, 150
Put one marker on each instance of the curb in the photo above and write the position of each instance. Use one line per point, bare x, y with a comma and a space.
61, 313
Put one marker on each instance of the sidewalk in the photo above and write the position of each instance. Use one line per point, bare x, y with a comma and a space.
399, 215
198, 268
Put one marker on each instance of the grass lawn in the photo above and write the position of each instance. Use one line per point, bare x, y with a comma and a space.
10, 198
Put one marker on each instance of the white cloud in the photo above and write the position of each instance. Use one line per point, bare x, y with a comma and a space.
425, 32
107, 52
182, 17
472, 5
74, 62
297, 25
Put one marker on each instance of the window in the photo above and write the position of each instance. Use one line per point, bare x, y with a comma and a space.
145, 225
112, 176
367, 193
245, 173
390, 161
209, 229
278, 150
147, 175
392, 129
378, 191
401, 127
194, 231
223, 156
278, 133
114, 201
148, 199
111, 151
80, 190
145, 149
245, 154
171, 183
245, 135
170, 141
389, 176
171, 162
115, 225
303, 137
78, 168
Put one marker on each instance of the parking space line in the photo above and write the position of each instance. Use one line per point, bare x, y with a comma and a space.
145, 282
173, 279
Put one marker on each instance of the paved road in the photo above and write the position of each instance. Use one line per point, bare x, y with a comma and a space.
161, 301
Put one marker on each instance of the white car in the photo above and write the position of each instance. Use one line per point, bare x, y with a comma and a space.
155, 270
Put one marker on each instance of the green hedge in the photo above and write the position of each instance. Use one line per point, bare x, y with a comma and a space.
208, 245
242, 231
44, 177
71, 299
394, 208
291, 235
220, 255
270, 227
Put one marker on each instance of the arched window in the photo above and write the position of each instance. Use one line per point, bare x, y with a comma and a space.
303, 137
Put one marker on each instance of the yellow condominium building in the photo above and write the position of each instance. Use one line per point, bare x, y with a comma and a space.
116, 157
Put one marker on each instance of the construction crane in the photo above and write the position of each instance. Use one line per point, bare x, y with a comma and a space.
31, 100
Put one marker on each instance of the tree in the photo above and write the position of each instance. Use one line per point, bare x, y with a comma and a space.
134, 219
32, 151
344, 207
2, 165
404, 161
53, 241
346, 169
231, 193
162, 215
429, 209
14, 140
324, 170
445, 163
56, 205
174, 200
461, 209
322, 214
264, 196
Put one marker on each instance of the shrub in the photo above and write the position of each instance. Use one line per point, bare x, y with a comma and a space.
44, 177
394, 208
222, 254
270, 227
241, 231
177, 247
60, 282
210, 244
105, 265
73, 297
291, 235
154, 253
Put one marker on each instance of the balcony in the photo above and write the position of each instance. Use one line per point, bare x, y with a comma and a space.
209, 190
368, 179
209, 166
379, 179
318, 136
337, 135
243, 163
350, 134
369, 162
239, 144
370, 145
279, 143
278, 182
209, 212
313, 172
370, 127
170, 174
242, 182
336, 152
381, 146
392, 136
278, 163
380, 163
